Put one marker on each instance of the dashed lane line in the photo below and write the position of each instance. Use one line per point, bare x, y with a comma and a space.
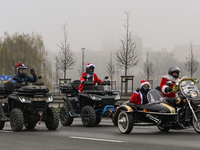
94, 139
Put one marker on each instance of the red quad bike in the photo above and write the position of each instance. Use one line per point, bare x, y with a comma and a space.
184, 114
91, 106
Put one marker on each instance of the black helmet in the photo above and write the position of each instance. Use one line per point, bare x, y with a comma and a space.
172, 70
22, 69
90, 66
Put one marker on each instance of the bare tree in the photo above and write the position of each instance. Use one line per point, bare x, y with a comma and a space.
148, 67
191, 64
111, 70
66, 60
127, 56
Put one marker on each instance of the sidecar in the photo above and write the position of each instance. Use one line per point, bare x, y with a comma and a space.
156, 112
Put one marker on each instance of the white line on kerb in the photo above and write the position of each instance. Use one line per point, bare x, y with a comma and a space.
94, 139
5, 131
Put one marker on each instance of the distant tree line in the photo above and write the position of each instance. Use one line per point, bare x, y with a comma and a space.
28, 49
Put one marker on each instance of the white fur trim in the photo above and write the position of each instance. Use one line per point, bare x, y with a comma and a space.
136, 92
163, 88
176, 95
170, 78
141, 97
91, 65
89, 75
21, 65
144, 84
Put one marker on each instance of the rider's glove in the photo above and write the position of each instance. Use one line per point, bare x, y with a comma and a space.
168, 89
32, 71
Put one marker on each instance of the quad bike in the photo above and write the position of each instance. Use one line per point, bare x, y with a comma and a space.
91, 106
184, 114
5, 90
29, 105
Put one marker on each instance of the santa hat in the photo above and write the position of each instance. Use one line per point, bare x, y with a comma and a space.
20, 64
143, 82
90, 64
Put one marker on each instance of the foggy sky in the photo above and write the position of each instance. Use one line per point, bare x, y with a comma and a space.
96, 24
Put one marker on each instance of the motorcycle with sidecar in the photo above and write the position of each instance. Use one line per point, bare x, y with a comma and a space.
184, 114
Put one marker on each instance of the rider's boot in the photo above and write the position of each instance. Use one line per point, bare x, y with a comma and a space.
4, 118
181, 125
2, 115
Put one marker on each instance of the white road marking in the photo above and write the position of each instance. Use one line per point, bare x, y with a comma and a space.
94, 139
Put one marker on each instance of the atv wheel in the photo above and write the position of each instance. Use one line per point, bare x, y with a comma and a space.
125, 122
30, 125
52, 119
88, 116
98, 119
196, 124
1, 124
16, 119
65, 118
163, 128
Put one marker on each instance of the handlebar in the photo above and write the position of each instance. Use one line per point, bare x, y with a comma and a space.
92, 83
88, 82
177, 87
105, 83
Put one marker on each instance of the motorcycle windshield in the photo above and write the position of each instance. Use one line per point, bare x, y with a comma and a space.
188, 86
154, 96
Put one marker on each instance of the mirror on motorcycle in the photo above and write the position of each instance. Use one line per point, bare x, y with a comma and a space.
106, 77
15, 78
169, 82
85, 77
197, 81
39, 77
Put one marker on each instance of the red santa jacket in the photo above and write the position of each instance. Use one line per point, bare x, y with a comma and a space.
137, 98
163, 85
95, 79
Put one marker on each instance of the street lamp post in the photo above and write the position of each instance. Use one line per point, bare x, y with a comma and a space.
82, 59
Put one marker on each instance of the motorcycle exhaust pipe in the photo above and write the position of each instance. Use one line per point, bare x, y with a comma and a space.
153, 118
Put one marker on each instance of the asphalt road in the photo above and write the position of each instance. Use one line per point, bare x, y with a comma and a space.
104, 136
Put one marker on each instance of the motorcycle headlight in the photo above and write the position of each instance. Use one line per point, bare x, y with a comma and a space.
49, 99
94, 97
194, 94
24, 100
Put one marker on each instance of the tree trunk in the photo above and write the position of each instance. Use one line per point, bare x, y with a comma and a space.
65, 74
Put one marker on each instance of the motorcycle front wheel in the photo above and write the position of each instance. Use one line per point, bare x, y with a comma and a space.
196, 124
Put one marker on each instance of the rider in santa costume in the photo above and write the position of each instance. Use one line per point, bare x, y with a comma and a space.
140, 95
90, 75
173, 75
